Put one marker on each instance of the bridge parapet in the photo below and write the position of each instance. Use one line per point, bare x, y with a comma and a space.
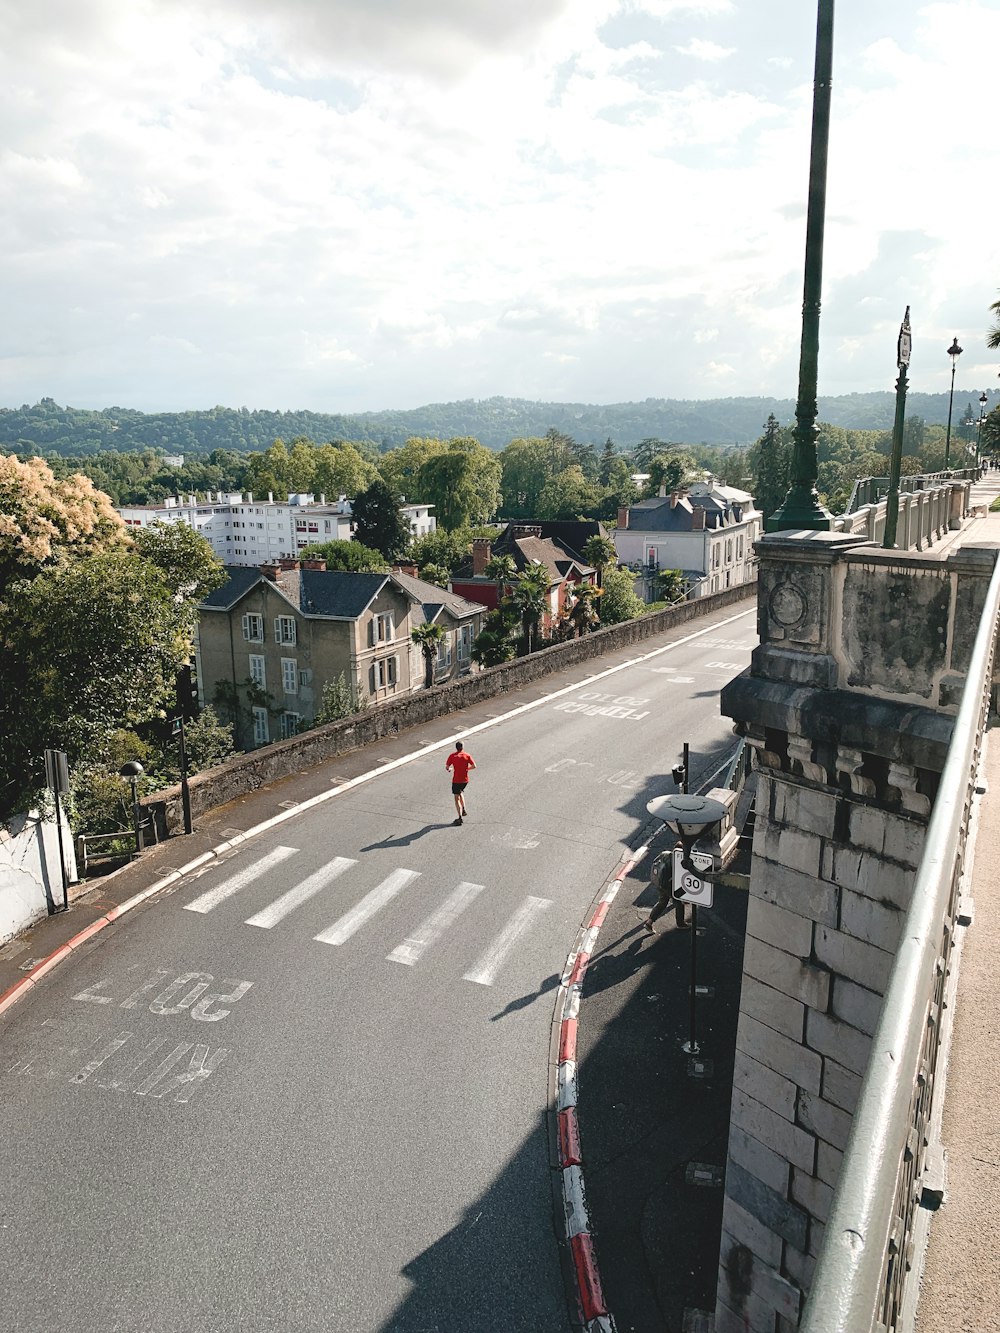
850, 705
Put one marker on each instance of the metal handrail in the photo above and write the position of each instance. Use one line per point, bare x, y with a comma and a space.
861, 1265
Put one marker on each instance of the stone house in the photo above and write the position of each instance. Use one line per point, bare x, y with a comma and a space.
270, 638
706, 530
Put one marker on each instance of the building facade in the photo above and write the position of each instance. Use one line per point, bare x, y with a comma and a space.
246, 531
705, 530
270, 639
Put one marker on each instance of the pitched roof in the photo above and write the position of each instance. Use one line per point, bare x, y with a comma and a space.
434, 599
313, 592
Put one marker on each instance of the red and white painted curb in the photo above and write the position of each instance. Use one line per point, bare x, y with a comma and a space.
590, 1295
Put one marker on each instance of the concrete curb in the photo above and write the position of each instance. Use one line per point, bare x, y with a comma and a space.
583, 1273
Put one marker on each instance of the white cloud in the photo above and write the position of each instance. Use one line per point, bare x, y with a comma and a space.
381, 203
699, 49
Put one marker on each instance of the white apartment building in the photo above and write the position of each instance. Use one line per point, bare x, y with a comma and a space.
243, 530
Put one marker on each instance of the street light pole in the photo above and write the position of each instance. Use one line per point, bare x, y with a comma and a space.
801, 507
892, 499
954, 351
983, 400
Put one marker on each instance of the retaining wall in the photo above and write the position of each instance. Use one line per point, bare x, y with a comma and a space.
249, 772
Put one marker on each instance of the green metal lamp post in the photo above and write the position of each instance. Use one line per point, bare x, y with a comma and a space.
954, 351
895, 463
983, 400
801, 507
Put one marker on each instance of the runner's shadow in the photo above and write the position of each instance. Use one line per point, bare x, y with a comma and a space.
522, 1001
405, 839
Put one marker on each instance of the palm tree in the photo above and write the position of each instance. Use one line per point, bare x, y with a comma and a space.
427, 637
583, 613
503, 569
993, 337
529, 596
599, 552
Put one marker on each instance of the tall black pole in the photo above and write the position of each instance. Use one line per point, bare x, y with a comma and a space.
895, 462
954, 351
185, 788
801, 507
692, 1042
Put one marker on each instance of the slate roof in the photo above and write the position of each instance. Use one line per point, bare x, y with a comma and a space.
657, 515
435, 599
558, 559
313, 592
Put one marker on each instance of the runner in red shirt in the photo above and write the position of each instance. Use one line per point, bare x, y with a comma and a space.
459, 761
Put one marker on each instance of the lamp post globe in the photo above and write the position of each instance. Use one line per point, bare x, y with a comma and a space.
688, 818
954, 351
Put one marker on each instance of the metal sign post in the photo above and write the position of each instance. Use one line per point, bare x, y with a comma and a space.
689, 888
57, 780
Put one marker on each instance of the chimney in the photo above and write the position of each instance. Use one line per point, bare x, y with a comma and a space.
623, 516
482, 550
525, 530
289, 562
697, 518
673, 499
270, 572
249, 497
322, 498
319, 565
662, 492
270, 497
406, 569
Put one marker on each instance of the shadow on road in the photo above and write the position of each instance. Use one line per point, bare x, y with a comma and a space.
405, 839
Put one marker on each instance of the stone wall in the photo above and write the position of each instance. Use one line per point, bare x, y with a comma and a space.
849, 705
249, 772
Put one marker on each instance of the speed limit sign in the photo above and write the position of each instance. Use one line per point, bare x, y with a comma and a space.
688, 887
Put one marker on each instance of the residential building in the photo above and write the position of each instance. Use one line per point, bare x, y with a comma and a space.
246, 531
526, 545
270, 638
706, 530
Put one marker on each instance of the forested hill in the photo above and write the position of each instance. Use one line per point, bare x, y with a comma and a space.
49, 428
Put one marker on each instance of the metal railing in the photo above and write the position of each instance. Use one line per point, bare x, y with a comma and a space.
870, 490
925, 514
867, 1257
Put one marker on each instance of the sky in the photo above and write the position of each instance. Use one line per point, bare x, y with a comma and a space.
350, 205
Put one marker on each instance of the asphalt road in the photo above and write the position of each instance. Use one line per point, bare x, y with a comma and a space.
307, 1089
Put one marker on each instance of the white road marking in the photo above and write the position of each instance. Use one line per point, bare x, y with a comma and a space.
485, 971
240, 880
522, 839
436, 924
370, 904
280, 908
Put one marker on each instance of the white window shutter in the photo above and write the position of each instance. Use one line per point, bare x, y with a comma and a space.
277, 629
246, 626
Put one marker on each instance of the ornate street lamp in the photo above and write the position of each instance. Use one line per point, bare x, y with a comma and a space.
801, 507
954, 351
983, 400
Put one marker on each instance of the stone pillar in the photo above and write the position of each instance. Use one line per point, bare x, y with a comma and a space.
849, 705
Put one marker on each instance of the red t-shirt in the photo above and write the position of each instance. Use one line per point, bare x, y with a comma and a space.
460, 762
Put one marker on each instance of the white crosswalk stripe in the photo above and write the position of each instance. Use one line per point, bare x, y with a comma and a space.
413, 947
280, 908
485, 971
410, 951
240, 880
370, 904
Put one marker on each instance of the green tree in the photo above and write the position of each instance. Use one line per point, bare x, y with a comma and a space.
529, 597
993, 336
347, 556
184, 558
341, 470
619, 601
378, 521
607, 459
341, 698
526, 467
503, 570
583, 612
568, 495
427, 637
463, 484
671, 585
669, 471
400, 468
770, 461
436, 574
599, 552
495, 641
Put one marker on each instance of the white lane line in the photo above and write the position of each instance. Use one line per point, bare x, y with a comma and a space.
351, 783
485, 971
370, 904
436, 924
240, 880
280, 908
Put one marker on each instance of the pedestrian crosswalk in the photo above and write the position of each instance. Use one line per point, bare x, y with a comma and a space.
484, 971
